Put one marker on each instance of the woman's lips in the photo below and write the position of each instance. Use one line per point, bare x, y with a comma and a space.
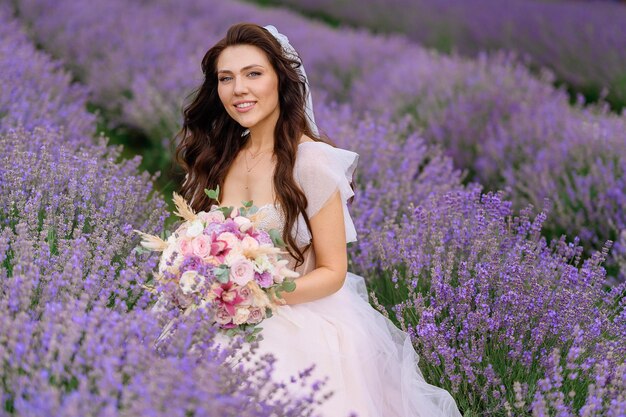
245, 109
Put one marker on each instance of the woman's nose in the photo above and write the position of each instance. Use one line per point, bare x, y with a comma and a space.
240, 85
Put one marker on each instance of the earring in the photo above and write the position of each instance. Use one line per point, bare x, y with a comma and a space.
245, 132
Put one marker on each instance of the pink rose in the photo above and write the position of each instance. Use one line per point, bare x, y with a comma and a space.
231, 240
249, 243
185, 247
215, 216
256, 315
201, 246
242, 272
246, 294
222, 316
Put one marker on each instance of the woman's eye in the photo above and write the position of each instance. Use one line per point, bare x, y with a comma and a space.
255, 73
222, 79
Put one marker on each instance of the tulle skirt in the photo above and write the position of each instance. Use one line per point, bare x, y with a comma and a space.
371, 365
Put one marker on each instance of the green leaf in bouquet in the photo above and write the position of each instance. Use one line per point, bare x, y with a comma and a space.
140, 250
213, 194
231, 332
226, 211
166, 233
253, 335
247, 204
221, 273
288, 285
268, 312
277, 239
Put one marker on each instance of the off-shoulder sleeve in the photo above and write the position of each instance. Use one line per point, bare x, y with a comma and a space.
321, 170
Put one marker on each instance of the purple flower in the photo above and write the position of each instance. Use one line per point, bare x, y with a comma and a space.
264, 280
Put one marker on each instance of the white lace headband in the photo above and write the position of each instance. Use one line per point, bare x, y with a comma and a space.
291, 53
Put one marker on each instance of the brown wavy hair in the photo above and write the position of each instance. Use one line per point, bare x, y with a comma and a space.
210, 139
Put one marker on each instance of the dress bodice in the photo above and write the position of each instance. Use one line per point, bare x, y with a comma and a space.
274, 218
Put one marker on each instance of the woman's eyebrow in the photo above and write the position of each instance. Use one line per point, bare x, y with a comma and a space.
243, 69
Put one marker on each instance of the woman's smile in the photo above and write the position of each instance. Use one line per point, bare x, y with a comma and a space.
245, 106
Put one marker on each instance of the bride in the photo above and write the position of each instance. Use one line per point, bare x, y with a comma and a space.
250, 129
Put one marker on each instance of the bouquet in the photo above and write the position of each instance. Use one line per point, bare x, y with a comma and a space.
220, 260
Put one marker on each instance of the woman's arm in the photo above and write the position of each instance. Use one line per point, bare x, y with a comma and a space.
331, 258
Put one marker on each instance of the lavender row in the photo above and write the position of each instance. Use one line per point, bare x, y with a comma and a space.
491, 115
76, 337
35, 92
514, 132
583, 43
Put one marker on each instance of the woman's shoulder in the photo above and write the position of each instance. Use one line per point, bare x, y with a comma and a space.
317, 158
308, 149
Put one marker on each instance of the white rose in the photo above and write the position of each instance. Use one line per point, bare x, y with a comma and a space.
190, 281
166, 256
195, 228
241, 315
244, 223
262, 263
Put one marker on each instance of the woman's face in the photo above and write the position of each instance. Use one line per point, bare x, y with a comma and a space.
248, 86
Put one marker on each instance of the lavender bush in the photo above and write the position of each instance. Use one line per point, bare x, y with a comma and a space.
34, 91
80, 208
396, 169
486, 301
583, 44
71, 359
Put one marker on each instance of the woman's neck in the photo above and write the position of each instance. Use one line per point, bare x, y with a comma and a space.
258, 142
261, 136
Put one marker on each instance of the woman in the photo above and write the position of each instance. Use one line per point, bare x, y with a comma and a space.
250, 129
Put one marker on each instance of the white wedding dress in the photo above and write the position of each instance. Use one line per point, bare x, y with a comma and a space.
371, 365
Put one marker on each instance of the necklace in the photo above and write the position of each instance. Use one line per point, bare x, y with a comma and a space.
250, 168
245, 158
256, 154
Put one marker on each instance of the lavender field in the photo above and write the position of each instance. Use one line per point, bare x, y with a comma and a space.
582, 41
504, 203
